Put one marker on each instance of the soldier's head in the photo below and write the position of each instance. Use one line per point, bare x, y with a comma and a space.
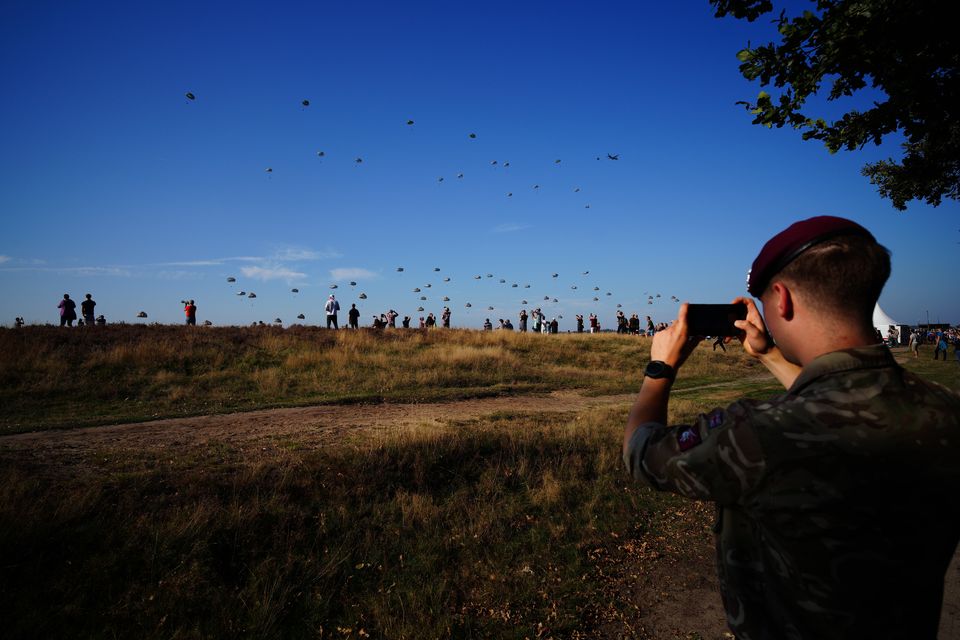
832, 267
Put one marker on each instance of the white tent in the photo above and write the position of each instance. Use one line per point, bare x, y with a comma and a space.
883, 322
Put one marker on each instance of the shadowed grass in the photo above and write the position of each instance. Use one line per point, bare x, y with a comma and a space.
473, 529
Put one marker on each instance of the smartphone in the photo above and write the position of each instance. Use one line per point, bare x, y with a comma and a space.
714, 319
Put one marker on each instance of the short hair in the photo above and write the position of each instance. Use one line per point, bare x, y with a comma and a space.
840, 276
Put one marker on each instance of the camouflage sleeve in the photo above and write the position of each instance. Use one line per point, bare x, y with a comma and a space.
717, 458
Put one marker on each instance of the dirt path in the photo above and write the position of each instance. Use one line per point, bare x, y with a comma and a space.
307, 425
680, 593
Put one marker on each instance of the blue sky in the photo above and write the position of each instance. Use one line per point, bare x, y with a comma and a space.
112, 182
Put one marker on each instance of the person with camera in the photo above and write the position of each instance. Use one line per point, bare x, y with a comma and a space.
834, 499
190, 310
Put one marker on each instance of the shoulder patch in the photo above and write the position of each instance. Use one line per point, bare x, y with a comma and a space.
715, 419
687, 438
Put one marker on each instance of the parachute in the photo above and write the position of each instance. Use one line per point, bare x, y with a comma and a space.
596, 299
399, 269
436, 268
428, 285
417, 290
573, 286
362, 296
333, 286
305, 103
320, 154
189, 96
207, 323
477, 277
446, 299
300, 316
514, 285
251, 295
419, 308
468, 305
619, 305
352, 283
231, 279
142, 314
523, 302
409, 123
269, 169
596, 288
546, 297
502, 281
294, 290
241, 293
446, 279
473, 136
423, 297
359, 160
555, 275
489, 308
277, 321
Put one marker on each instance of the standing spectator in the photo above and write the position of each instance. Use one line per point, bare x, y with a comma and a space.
392, 319
20, 322
719, 343
487, 325
594, 325
579, 323
86, 308
650, 328
406, 322
635, 324
431, 321
554, 326
508, 325
915, 343
190, 310
423, 323
536, 321
445, 317
353, 317
331, 308
940, 346
523, 320
68, 310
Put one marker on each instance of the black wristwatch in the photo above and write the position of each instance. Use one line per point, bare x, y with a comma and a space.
659, 369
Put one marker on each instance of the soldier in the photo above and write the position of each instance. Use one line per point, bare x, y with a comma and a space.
834, 498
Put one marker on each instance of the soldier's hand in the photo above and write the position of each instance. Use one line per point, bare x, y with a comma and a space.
754, 338
673, 345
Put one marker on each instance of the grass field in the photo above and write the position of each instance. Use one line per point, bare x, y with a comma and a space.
51, 377
513, 525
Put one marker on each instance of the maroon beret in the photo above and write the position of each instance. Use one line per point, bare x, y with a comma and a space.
786, 246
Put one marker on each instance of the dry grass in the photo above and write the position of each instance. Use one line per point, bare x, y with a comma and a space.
474, 529
51, 377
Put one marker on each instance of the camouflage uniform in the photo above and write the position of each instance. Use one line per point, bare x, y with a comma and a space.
836, 500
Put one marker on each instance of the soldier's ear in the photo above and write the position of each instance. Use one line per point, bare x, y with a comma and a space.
783, 300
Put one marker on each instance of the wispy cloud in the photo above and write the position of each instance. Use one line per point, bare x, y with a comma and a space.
351, 273
272, 272
299, 254
76, 271
191, 263
510, 227
5, 259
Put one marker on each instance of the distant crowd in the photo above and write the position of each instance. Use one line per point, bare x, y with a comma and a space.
942, 339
